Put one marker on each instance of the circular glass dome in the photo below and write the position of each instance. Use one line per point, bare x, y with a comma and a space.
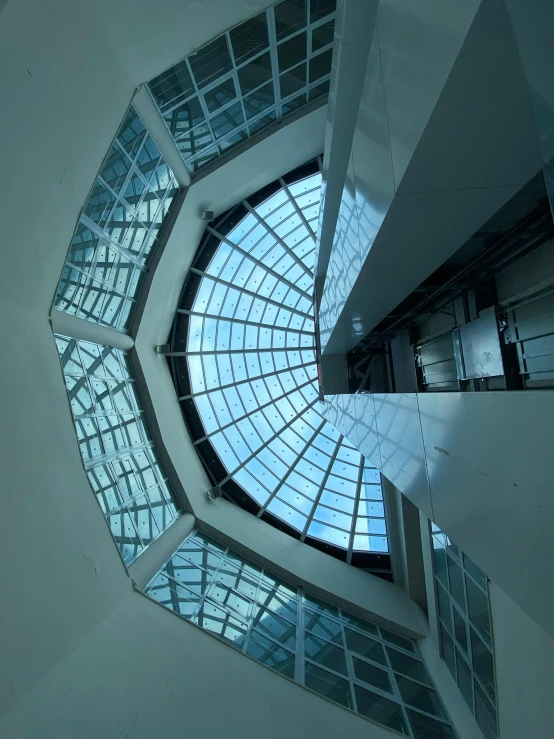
252, 374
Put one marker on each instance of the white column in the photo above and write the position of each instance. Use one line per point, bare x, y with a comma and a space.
79, 328
143, 569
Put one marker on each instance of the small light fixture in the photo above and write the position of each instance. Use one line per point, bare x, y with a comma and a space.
162, 348
214, 493
207, 215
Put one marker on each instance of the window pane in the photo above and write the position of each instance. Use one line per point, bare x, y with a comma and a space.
420, 697
371, 674
329, 685
425, 726
408, 666
249, 38
478, 606
379, 709
365, 646
326, 653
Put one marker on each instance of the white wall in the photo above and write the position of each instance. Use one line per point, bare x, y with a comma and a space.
524, 662
145, 672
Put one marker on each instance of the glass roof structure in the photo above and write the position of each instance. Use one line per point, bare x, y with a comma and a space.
246, 79
245, 329
118, 228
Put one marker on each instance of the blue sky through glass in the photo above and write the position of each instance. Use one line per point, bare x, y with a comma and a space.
252, 365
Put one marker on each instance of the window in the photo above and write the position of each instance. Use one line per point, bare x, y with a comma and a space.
465, 628
244, 80
117, 230
357, 664
120, 459
249, 344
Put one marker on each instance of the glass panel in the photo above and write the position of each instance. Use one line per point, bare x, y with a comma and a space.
448, 651
427, 727
322, 35
270, 654
249, 38
210, 62
408, 666
379, 709
365, 646
326, 653
292, 52
478, 606
321, 8
456, 583
331, 686
398, 641
460, 629
363, 625
482, 663
485, 714
322, 626
255, 73
371, 674
220, 95
320, 65
290, 16
420, 697
475, 572
464, 679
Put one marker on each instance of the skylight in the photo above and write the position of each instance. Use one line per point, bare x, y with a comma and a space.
250, 354
247, 78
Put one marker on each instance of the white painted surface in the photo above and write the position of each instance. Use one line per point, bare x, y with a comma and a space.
478, 464
79, 328
448, 140
145, 672
524, 662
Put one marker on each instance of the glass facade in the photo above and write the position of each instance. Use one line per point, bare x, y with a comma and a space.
363, 667
117, 229
246, 79
120, 459
250, 352
465, 628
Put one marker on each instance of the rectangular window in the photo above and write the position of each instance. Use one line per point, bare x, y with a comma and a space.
115, 442
465, 628
359, 665
247, 78
117, 230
